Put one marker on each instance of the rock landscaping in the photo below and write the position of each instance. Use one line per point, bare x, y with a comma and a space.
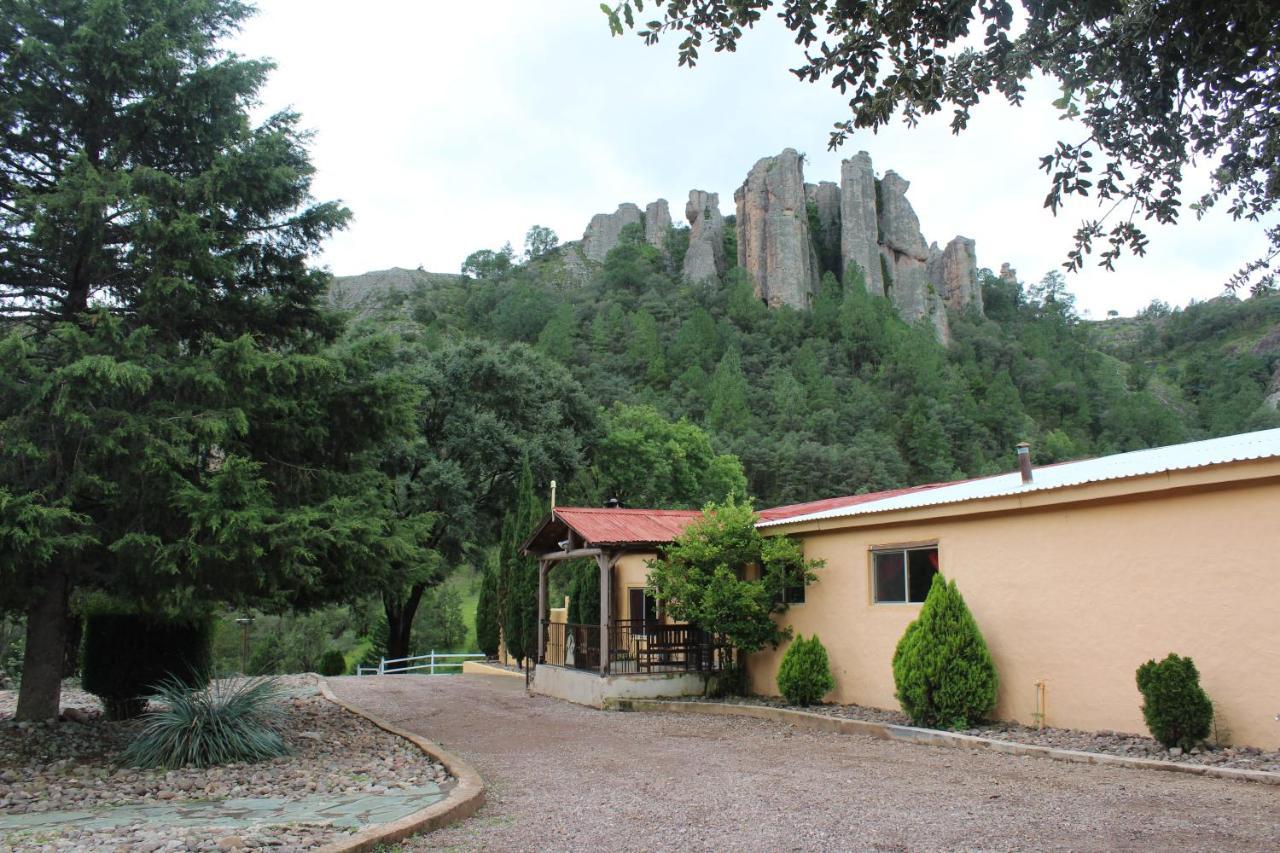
1107, 742
69, 766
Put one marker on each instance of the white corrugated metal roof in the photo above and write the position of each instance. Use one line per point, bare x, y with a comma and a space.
1196, 454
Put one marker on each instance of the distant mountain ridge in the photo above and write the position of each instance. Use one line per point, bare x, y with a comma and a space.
363, 292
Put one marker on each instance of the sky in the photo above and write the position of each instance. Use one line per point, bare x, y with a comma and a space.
451, 127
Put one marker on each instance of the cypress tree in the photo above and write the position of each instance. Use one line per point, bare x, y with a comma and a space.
488, 617
520, 573
942, 669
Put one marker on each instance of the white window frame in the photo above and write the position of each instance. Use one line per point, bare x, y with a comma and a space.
904, 550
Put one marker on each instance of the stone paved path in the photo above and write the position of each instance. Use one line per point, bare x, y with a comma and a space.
563, 777
339, 810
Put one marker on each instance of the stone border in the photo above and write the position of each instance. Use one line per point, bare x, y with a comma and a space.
464, 800
475, 667
935, 737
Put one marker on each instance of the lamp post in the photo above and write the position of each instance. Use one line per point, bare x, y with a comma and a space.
244, 622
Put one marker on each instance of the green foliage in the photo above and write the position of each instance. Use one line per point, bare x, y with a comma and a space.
1177, 710
944, 674
644, 460
332, 662
489, 613
221, 723
584, 593
538, 241
127, 655
439, 624
804, 676
519, 574
722, 575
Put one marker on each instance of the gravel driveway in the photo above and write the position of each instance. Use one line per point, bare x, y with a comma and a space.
560, 776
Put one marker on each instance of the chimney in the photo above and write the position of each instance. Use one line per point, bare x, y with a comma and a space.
612, 503
1024, 461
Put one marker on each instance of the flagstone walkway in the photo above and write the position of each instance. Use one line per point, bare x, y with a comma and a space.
337, 810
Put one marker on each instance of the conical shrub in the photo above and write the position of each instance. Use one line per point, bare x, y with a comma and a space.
942, 669
804, 676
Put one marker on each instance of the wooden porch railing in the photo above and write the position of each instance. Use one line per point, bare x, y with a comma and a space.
636, 647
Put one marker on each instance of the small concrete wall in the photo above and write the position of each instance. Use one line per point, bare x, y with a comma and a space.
583, 687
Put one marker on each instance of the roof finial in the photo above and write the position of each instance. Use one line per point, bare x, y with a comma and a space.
553, 494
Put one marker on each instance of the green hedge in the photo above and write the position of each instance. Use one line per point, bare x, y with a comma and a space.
126, 656
332, 662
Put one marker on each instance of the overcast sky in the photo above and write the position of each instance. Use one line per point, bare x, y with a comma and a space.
449, 127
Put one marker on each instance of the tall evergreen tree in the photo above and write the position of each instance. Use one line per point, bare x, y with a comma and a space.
488, 614
520, 573
171, 426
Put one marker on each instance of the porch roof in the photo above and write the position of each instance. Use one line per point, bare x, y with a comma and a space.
610, 528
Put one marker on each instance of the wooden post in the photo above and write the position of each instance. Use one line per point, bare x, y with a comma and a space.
543, 567
606, 566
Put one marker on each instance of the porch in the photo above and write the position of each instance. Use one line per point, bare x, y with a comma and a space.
634, 651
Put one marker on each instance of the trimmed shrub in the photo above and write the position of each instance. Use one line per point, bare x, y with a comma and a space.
222, 722
804, 676
942, 669
1177, 710
332, 662
126, 656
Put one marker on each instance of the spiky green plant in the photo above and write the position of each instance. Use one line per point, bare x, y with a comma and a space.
223, 722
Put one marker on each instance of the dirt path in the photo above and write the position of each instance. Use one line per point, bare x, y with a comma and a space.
565, 777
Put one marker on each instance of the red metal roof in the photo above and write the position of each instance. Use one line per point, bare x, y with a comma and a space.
780, 512
599, 526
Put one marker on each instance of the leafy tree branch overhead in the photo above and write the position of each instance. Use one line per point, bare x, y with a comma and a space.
1158, 86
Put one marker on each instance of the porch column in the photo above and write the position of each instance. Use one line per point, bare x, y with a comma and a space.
544, 566
606, 597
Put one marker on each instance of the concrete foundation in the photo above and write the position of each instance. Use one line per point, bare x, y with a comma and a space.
583, 687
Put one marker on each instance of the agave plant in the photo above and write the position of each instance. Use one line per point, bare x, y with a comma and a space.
233, 720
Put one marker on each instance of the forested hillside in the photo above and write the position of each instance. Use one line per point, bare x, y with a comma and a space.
846, 397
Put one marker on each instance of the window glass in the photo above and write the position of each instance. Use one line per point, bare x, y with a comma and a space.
922, 565
891, 582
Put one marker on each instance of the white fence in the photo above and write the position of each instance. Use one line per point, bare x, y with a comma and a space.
431, 662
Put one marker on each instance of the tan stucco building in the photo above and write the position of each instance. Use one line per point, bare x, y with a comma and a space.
1076, 573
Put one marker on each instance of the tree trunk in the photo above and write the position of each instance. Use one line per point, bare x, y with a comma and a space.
400, 615
41, 690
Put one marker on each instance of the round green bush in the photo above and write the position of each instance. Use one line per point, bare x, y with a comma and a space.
804, 676
1177, 710
127, 655
942, 669
333, 663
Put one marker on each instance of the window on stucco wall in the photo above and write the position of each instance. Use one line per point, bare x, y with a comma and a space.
902, 575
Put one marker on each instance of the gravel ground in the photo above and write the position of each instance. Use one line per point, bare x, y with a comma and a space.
1113, 743
569, 777
66, 765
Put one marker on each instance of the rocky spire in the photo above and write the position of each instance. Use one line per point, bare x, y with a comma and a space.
860, 221
906, 256
774, 245
602, 233
657, 222
954, 270
705, 258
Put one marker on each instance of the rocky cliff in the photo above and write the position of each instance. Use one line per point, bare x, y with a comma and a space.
774, 244
603, 230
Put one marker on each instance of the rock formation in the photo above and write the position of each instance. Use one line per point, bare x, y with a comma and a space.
955, 271
825, 198
602, 233
860, 221
1008, 273
775, 247
705, 258
906, 257
657, 223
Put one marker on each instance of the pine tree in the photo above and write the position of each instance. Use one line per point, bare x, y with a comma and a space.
174, 426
